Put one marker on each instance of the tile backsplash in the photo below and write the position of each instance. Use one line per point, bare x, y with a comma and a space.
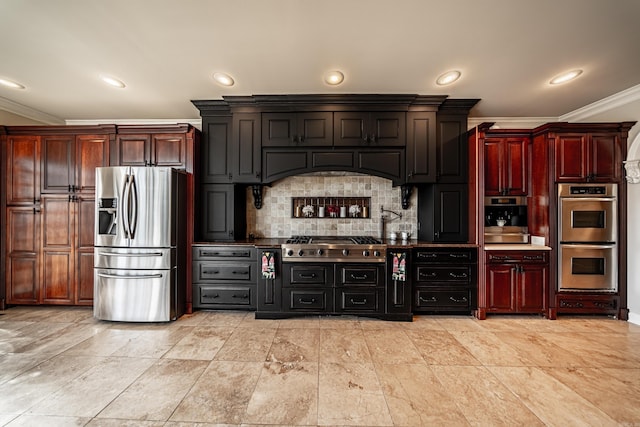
275, 219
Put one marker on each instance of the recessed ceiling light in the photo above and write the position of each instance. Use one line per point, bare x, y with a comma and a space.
224, 79
334, 78
112, 81
448, 77
565, 77
11, 84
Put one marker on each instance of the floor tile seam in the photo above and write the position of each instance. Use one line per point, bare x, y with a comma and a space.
187, 392
534, 411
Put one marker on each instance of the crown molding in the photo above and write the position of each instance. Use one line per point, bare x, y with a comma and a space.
29, 113
510, 122
196, 123
614, 101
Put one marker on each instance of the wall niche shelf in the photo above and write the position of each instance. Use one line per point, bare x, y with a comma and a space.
331, 207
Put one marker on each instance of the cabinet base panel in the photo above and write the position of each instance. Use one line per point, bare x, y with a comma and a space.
280, 315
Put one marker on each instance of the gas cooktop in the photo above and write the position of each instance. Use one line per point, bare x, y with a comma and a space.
334, 249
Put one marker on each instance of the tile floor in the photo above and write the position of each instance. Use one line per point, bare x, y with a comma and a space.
61, 367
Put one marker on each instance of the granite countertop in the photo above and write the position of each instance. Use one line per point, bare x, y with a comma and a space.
395, 244
515, 247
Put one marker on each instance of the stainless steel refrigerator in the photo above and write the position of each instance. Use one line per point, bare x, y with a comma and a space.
140, 244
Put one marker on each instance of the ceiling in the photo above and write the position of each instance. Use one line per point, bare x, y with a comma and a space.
167, 50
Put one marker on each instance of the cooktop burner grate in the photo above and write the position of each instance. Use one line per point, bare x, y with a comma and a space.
356, 240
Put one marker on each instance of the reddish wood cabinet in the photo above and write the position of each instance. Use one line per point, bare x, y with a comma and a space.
588, 157
506, 166
516, 282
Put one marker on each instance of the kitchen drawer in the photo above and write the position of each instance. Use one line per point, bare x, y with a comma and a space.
447, 273
308, 274
358, 300
211, 296
367, 275
445, 256
221, 253
521, 257
587, 303
434, 299
313, 300
224, 271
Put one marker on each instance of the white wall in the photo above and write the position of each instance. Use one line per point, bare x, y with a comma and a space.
633, 238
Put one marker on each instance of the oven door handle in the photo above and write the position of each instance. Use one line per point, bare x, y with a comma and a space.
588, 246
587, 199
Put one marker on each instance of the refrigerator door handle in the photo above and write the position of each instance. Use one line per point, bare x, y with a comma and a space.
143, 276
125, 208
134, 211
118, 254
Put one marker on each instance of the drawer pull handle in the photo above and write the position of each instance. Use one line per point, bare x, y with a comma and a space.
533, 258
354, 277
211, 271
458, 276
428, 275
354, 302
211, 296
432, 299
239, 272
464, 299
427, 255
225, 254
307, 302
458, 255
242, 296
308, 276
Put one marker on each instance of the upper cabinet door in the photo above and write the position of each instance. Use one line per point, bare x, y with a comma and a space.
315, 129
377, 129
92, 151
168, 150
133, 150
605, 158
247, 158
516, 163
216, 155
588, 157
421, 147
388, 129
23, 170
58, 163
571, 157
506, 166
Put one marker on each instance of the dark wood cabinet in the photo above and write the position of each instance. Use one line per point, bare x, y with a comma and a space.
216, 157
269, 288
399, 276
421, 148
58, 264
452, 149
23, 254
151, 149
375, 129
506, 166
22, 168
58, 163
300, 130
224, 277
160, 145
222, 210
246, 146
588, 157
444, 279
516, 282
443, 213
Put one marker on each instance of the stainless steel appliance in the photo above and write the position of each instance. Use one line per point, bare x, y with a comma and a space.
588, 233
140, 244
505, 219
333, 249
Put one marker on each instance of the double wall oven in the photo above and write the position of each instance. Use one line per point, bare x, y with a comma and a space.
588, 234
